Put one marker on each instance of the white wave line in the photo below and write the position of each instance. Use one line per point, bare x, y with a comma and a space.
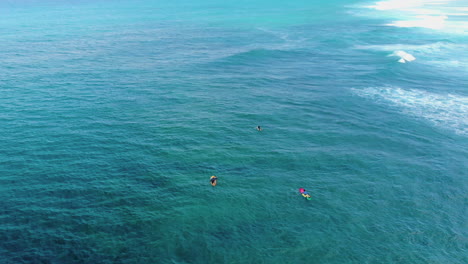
448, 110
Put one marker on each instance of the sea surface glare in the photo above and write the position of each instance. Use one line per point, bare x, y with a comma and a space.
114, 115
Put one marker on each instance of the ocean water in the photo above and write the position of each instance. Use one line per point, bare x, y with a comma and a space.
114, 115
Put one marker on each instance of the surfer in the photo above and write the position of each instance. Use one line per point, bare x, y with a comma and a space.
259, 128
304, 193
213, 180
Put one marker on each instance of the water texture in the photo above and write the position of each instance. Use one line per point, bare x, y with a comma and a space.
114, 115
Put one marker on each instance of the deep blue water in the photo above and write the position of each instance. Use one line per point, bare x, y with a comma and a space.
114, 115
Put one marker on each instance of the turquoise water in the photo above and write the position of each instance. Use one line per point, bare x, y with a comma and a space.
114, 115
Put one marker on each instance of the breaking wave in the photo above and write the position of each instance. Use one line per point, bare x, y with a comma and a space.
445, 15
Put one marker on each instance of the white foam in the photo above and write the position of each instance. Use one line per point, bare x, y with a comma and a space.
407, 4
432, 22
431, 14
396, 4
457, 14
443, 110
404, 56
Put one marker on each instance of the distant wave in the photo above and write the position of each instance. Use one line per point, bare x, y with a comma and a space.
448, 111
277, 44
441, 54
451, 63
256, 55
425, 48
432, 14
408, 4
432, 22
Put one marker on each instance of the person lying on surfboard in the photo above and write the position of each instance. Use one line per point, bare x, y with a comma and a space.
259, 128
304, 193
